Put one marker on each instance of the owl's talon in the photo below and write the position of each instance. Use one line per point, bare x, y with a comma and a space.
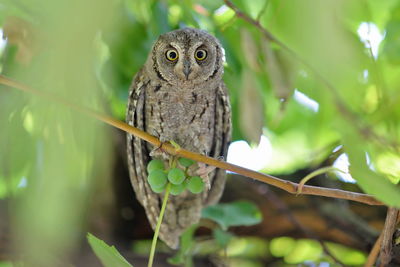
159, 152
203, 171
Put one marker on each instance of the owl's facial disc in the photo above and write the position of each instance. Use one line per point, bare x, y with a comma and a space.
187, 56
193, 64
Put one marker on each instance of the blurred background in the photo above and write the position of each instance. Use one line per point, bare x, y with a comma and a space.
312, 84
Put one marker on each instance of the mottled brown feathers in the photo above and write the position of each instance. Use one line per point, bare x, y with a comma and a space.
191, 109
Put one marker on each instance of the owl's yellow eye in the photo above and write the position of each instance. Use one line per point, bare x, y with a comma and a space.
200, 54
172, 55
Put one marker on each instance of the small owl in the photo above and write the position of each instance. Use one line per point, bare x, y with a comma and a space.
179, 95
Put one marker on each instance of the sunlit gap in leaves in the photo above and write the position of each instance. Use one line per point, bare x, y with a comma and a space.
370, 36
3, 41
223, 15
305, 100
254, 158
258, 157
365, 76
221, 10
23, 183
342, 163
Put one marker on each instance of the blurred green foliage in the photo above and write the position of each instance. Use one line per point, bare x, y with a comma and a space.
108, 255
233, 214
298, 251
344, 57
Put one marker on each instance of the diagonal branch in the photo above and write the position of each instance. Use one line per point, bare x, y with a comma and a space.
167, 147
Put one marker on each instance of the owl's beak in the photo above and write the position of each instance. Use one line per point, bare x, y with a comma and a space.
186, 68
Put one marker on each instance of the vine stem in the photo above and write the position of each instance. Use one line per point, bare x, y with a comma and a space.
158, 226
314, 174
285, 185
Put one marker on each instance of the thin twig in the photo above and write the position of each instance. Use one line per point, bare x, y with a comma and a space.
287, 186
387, 236
373, 255
263, 9
364, 130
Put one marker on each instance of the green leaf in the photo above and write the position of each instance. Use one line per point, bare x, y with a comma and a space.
222, 237
108, 255
392, 44
186, 162
233, 214
247, 247
186, 244
346, 255
371, 182
298, 251
389, 164
281, 246
304, 250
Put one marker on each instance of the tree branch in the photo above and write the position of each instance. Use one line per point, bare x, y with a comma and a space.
167, 147
383, 244
373, 255
387, 236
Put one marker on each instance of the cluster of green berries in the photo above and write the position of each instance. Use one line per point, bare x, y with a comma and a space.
179, 179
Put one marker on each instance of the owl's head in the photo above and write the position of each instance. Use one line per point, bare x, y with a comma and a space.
186, 56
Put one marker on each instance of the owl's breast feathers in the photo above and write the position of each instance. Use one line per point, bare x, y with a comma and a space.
184, 115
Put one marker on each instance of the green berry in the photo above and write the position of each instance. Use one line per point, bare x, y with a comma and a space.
185, 162
176, 176
158, 189
176, 189
157, 179
155, 164
195, 185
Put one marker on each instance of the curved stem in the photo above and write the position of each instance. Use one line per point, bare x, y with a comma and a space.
314, 174
158, 226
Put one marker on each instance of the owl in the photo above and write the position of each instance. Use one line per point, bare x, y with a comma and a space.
179, 95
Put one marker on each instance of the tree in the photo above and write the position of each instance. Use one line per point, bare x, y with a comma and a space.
319, 80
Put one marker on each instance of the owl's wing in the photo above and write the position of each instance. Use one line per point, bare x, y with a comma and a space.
222, 138
138, 154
